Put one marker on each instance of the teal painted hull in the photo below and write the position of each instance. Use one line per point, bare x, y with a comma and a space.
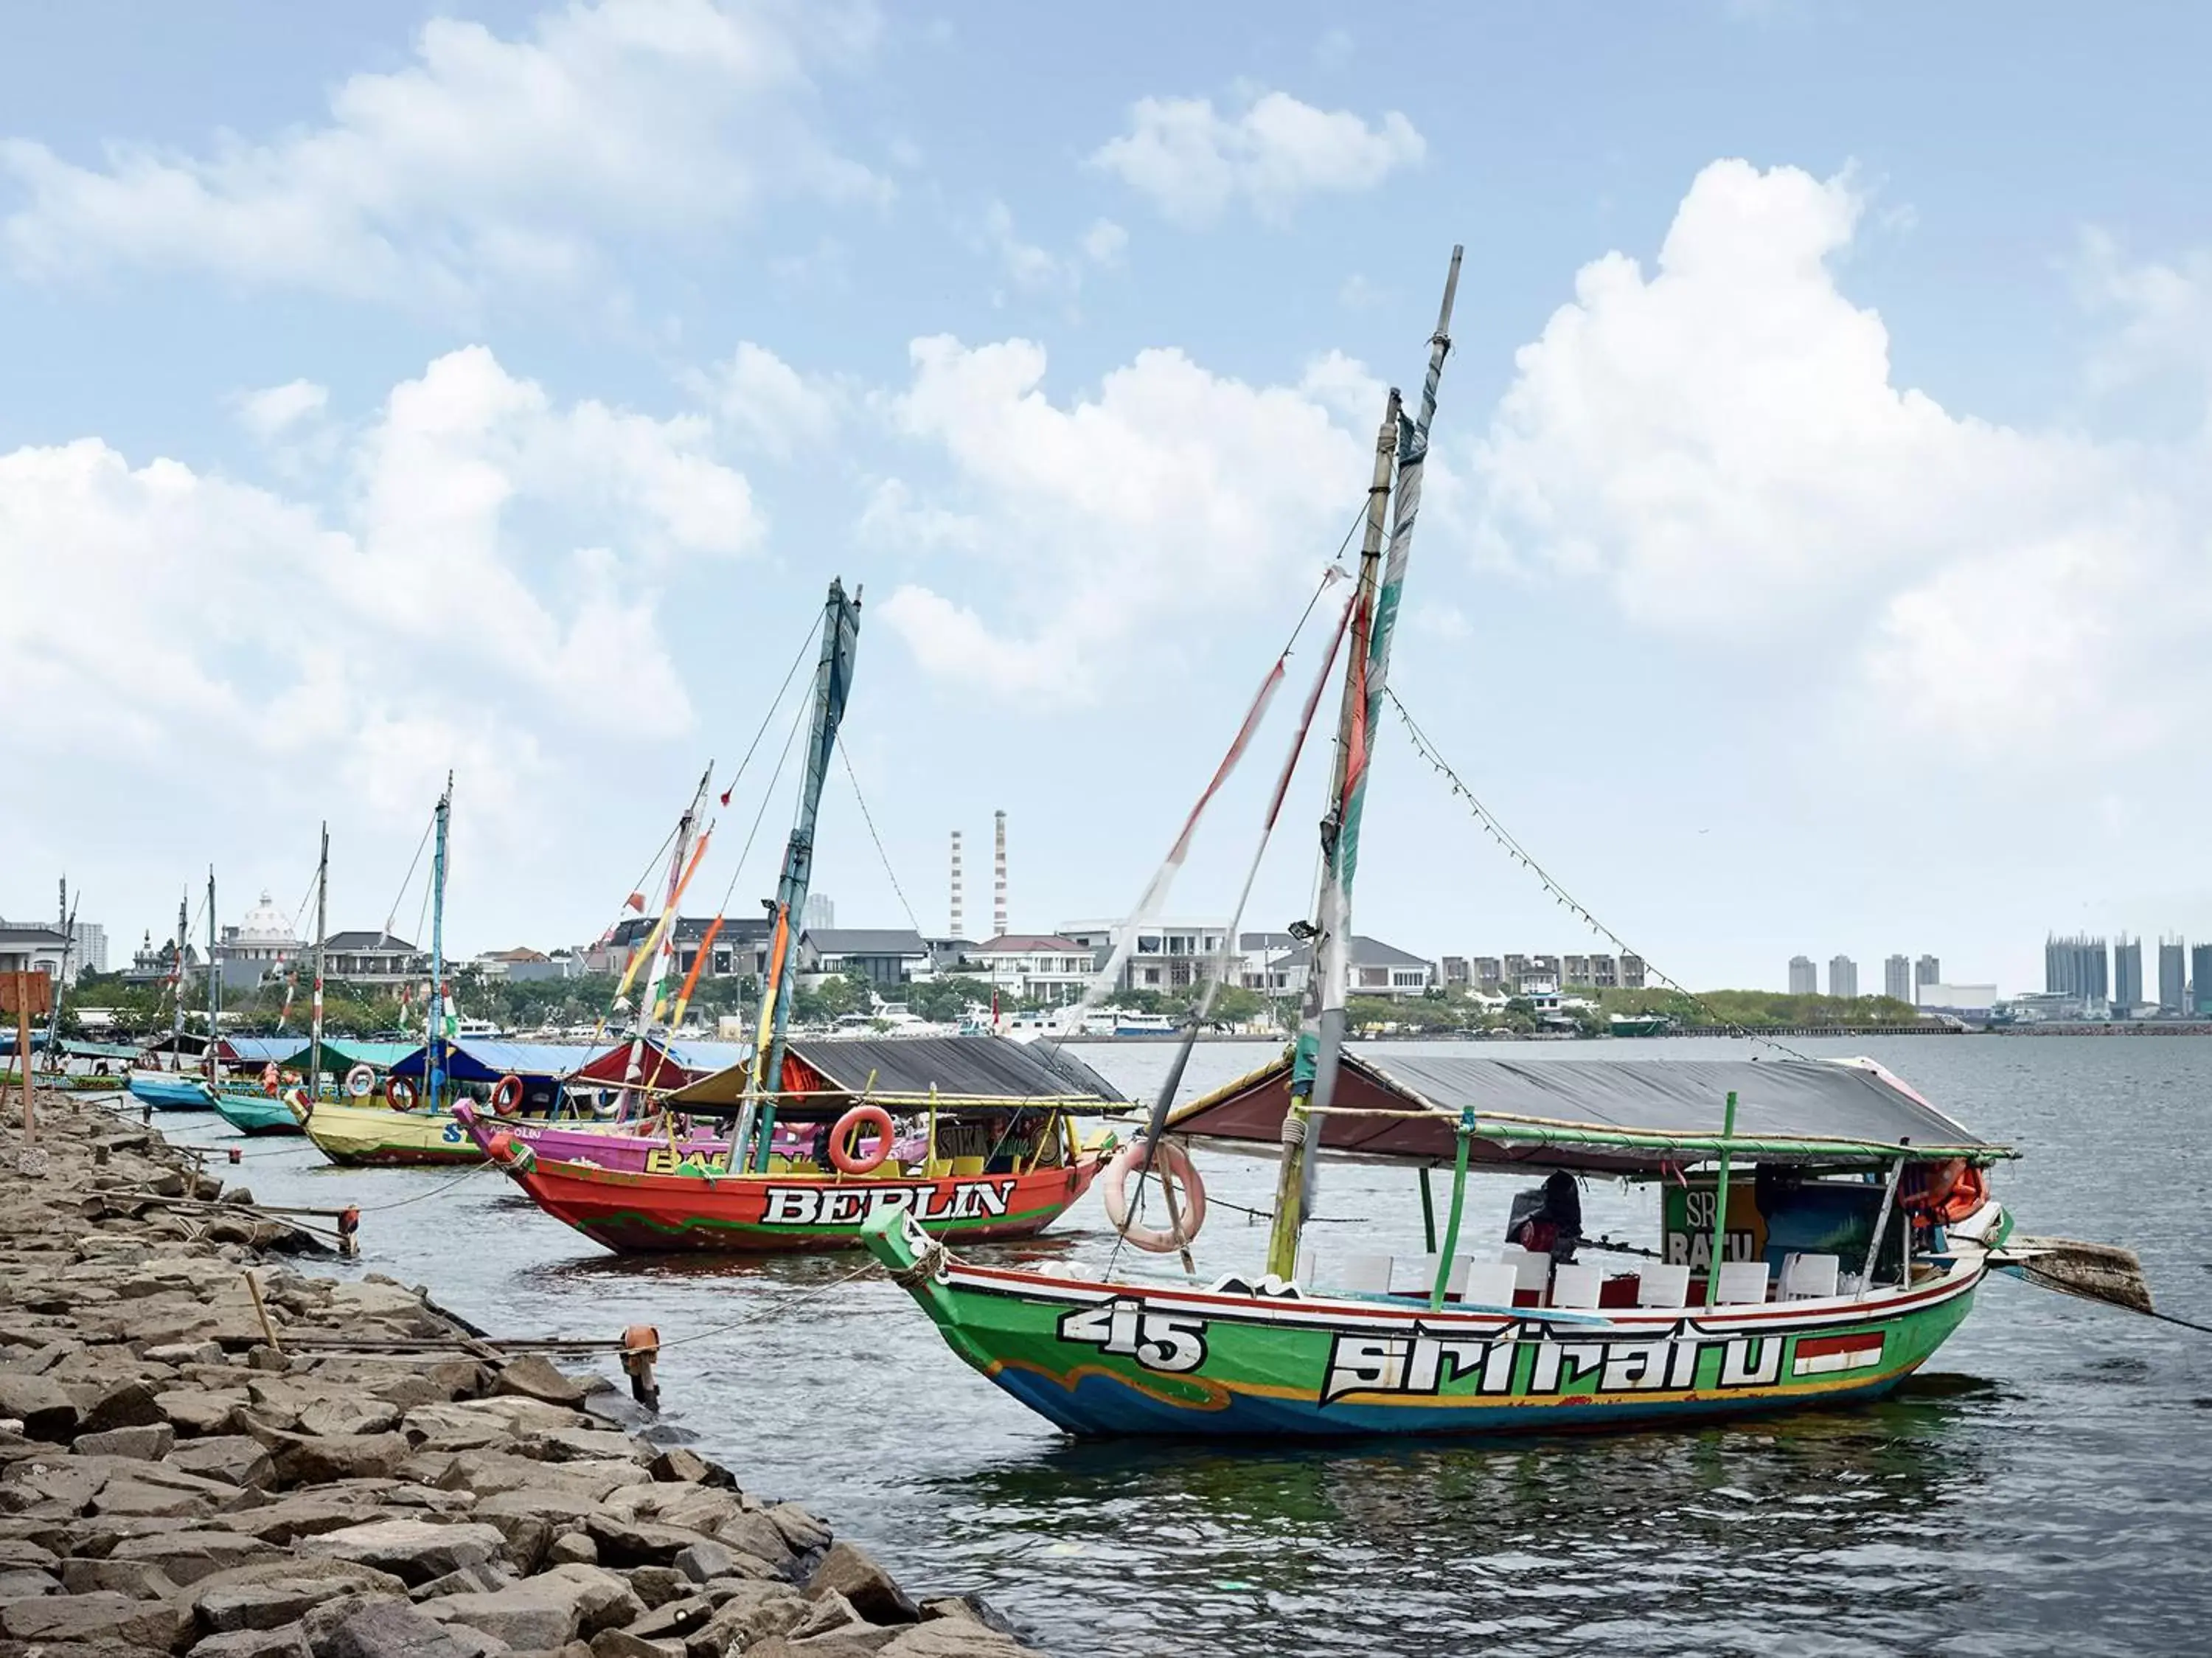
255, 1112
185, 1093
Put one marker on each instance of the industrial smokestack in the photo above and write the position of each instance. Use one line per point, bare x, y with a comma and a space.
999, 880
956, 884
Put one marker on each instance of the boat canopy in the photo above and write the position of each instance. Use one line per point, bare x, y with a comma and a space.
342, 1053
958, 1071
667, 1063
261, 1050
1622, 1117
472, 1059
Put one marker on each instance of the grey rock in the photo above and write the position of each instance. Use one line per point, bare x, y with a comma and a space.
969, 1608
637, 1543
280, 1592
199, 1410
23, 1551
804, 1532
363, 1626
344, 1414
21, 1583
323, 1461
874, 1593
533, 1376
469, 1579
131, 1404
188, 1556
284, 1642
704, 1559
187, 1352
757, 1535
750, 1613
679, 1466
574, 1549
44, 1409
148, 1443
233, 1459
953, 1638
823, 1612
659, 1585
529, 1616
304, 1514
621, 1643
673, 1620
145, 1497
136, 1578
416, 1551
102, 1616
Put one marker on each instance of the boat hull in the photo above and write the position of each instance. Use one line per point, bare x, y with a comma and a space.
255, 1112
1117, 1359
778, 1214
367, 1136
171, 1093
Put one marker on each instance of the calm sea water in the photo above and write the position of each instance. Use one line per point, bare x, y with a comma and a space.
2046, 1485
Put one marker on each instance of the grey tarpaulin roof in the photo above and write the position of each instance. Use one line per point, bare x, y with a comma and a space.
969, 1067
1620, 1115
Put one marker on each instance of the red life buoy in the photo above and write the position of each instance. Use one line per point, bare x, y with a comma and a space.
842, 1137
269, 1080
1175, 1165
399, 1093
507, 1096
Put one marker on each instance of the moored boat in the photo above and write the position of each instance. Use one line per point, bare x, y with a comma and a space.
171, 1090
255, 1111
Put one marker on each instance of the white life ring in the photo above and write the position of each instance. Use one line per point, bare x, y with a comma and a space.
1174, 1164
360, 1081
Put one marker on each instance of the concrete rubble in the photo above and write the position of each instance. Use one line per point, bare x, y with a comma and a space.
171, 1483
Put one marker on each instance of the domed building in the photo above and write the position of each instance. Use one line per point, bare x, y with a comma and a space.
258, 948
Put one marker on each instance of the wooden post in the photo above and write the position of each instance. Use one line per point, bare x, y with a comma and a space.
24, 994
1720, 1205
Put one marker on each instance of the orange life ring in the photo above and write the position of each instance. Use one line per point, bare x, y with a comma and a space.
1174, 1164
507, 1096
269, 1080
843, 1134
399, 1093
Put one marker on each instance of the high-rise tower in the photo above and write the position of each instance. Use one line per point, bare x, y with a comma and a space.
957, 916
999, 879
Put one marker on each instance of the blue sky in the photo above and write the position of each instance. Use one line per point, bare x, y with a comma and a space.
1816, 558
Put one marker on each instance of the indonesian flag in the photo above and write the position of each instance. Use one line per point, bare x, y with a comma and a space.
1827, 1355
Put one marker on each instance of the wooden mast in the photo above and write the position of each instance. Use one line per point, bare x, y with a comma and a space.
648, 1002
215, 985
435, 1065
315, 1023
1374, 620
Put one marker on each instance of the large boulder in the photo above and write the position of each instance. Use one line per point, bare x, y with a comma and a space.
304, 1514
955, 1638
135, 1578
233, 1459
148, 1443
533, 1376
280, 1592
746, 1613
348, 1413
199, 1409
186, 1557
535, 1615
872, 1590
364, 1626
282, 1642
45, 1409
130, 1405
415, 1550
637, 1542
302, 1459
100, 1617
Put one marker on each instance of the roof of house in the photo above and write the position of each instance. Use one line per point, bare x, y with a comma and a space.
369, 941
1365, 953
1027, 944
690, 930
521, 953
865, 941
11, 933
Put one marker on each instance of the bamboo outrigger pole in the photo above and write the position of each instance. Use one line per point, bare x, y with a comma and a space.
1402, 445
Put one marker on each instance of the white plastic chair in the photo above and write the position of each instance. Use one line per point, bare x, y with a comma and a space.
1576, 1286
1809, 1278
1365, 1275
1663, 1286
1530, 1269
1416, 1274
1486, 1283
1742, 1281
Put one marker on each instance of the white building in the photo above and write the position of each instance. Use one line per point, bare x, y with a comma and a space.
1166, 955
259, 946
31, 950
1031, 967
1375, 968
1842, 977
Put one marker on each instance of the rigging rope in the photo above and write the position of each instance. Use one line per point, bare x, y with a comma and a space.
844, 754
1513, 848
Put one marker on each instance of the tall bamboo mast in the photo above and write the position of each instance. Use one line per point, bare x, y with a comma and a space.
215, 984
1376, 602
322, 918
435, 1067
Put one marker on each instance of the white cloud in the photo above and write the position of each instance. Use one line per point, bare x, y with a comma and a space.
1105, 242
1721, 443
2166, 312
486, 159
424, 613
1031, 268
1194, 162
767, 403
1106, 526
274, 410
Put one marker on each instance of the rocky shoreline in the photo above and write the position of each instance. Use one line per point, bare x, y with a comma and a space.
176, 1484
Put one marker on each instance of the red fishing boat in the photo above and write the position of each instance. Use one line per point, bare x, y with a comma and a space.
976, 1137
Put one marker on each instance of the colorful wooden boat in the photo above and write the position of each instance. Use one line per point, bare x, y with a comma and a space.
254, 1110
171, 1090
374, 1133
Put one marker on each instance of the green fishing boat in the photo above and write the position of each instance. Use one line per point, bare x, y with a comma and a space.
1819, 1229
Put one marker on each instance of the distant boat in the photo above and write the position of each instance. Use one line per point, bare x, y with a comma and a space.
1642, 1024
1145, 1024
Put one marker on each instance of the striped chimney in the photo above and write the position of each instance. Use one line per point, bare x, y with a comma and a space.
956, 884
998, 880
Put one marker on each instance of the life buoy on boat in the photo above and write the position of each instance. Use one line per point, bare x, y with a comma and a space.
1174, 1164
507, 1096
399, 1093
270, 1083
360, 1080
844, 1136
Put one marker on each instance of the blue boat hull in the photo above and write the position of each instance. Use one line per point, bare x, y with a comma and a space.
185, 1093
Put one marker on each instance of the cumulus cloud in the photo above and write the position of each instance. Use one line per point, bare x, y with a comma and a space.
1721, 442
767, 403
420, 614
1194, 162
486, 159
1108, 522
274, 410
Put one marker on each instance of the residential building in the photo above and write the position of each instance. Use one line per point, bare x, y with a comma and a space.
2127, 975
821, 912
1521, 970
1589, 973
1842, 977
1926, 971
1632, 971
1452, 970
2173, 976
372, 958
740, 946
1035, 967
1489, 973
1972, 1002
886, 956
2200, 979
524, 965
1164, 955
259, 946
1804, 977
27, 949
1897, 978
88, 951
2077, 966
1376, 969
1261, 956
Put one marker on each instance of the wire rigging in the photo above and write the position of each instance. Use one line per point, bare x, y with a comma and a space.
868, 818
